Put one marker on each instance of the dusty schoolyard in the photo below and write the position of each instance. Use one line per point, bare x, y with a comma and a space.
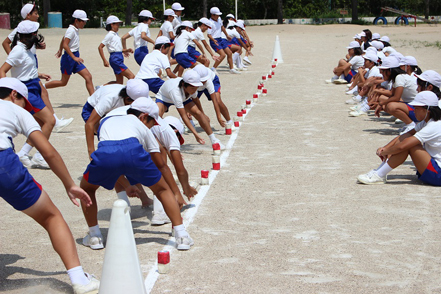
285, 213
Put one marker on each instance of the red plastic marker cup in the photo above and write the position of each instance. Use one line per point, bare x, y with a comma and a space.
244, 110
216, 162
228, 129
240, 115
269, 76
163, 262
255, 97
236, 121
263, 79
273, 66
275, 59
259, 88
204, 177
264, 92
248, 103
272, 73
216, 149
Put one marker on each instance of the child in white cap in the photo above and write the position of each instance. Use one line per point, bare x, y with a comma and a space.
179, 92
21, 191
347, 68
177, 9
201, 27
154, 63
423, 144
22, 64
30, 12
128, 148
141, 35
246, 39
117, 53
166, 28
71, 62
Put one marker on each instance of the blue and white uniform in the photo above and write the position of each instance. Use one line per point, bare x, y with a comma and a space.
103, 100
181, 52
150, 67
199, 36
141, 49
67, 65
216, 33
113, 43
212, 85
171, 94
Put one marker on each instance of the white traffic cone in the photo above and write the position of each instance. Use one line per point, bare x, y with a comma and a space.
277, 52
121, 269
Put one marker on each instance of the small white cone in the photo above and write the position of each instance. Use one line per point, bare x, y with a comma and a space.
277, 52
121, 269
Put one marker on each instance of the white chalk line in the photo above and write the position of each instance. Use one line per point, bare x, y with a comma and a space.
189, 215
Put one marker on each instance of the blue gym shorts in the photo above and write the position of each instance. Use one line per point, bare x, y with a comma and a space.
193, 53
34, 95
432, 174
116, 61
87, 111
167, 105
184, 60
154, 84
411, 110
127, 157
350, 75
68, 66
140, 53
217, 88
221, 44
17, 186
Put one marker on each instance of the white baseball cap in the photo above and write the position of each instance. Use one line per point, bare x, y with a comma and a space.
215, 10
175, 123
432, 77
192, 77
371, 49
162, 40
241, 24
26, 9
389, 62
206, 22
177, 6
112, 19
169, 12
137, 88
397, 55
375, 36
187, 24
146, 105
203, 72
389, 50
27, 27
385, 39
19, 86
372, 56
146, 13
230, 15
408, 60
356, 37
378, 45
362, 34
80, 14
425, 98
353, 44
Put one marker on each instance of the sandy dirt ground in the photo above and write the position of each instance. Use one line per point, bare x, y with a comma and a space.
285, 213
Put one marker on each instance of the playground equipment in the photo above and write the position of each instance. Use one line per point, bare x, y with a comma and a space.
402, 19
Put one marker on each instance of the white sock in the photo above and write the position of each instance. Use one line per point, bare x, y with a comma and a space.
212, 138
383, 170
365, 107
358, 98
77, 276
57, 120
95, 231
230, 121
157, 205
235, 55
335, 77
180, 231
240, 62
25, 150
123, 196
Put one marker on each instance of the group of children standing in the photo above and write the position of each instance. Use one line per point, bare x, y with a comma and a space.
382, 80
135, 138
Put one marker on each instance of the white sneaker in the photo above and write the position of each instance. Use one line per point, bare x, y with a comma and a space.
91, 288
26, 160
340, 81
247, 60
357, 113
351, 92
407, 128
353, 100
184, 243
39, 162
233, 71
160, 218
331, 80
371, 178
62, 123
94, 243
398, 121
355, 107
242, 68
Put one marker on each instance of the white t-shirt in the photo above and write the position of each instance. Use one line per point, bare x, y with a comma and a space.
409, 87
106, 98
121, 127
198, 35
152, 64
208, 84
166, 28
181, 43
429, 134
113, 42
24, 65
374, 72
176, 21
356, 62
11, 38
216, 28
136, 34
233, 33
14, 120
170, 92
166, 135
72, 33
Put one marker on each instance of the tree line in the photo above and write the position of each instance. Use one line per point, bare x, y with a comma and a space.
247, 9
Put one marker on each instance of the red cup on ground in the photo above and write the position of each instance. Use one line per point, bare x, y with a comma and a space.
264, 91
263, 78
272, 73
240, 114
273, 66
216, 146
244, 111
163, 261
255, 96
259, 87
269, 76
204, 174
248, 102
228, 129
216, 163
236, 124
275, 59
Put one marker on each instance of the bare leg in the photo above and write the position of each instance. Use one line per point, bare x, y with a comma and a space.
45, 98
200, 116
47, 120
221, 58
91, 212
88, 78
229, 57
168, 200
60, 83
